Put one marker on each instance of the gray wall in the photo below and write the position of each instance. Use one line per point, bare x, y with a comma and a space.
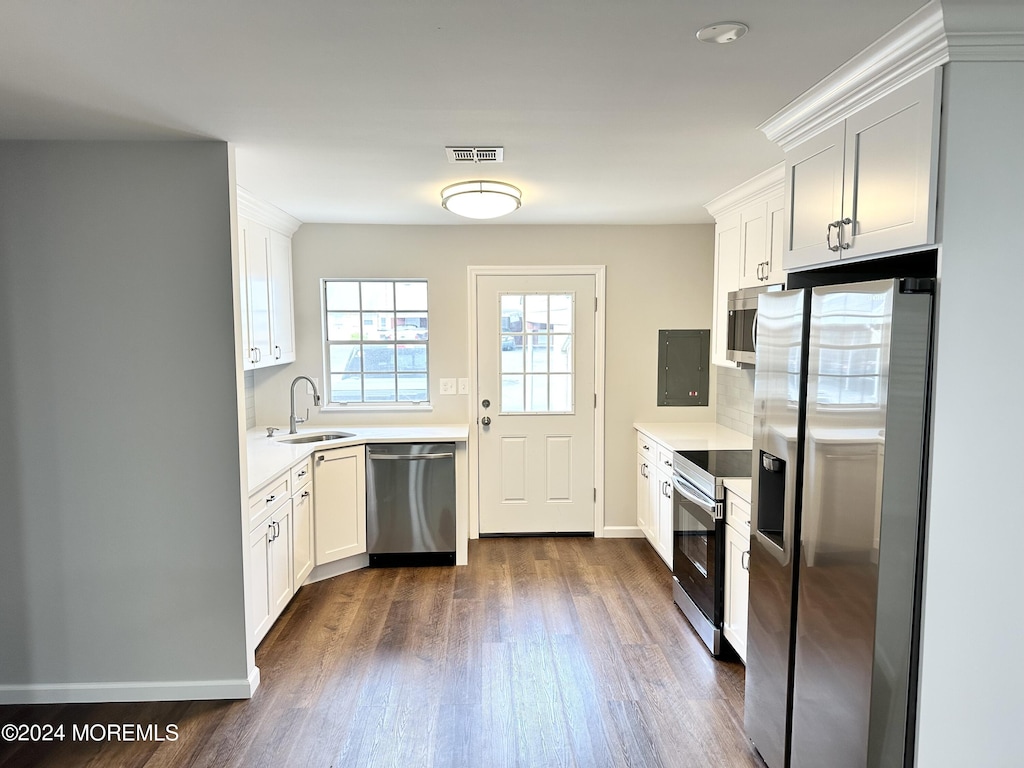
657, 277
971, 707
121, 553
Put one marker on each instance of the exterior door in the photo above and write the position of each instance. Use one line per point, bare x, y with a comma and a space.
536, 409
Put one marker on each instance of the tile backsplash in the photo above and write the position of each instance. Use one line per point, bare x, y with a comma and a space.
735, 393
250, 399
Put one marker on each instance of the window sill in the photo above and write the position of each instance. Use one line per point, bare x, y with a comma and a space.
383, 408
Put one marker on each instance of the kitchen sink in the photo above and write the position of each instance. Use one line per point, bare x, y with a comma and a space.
317, 438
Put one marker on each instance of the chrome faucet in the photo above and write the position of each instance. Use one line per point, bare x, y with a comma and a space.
294, 421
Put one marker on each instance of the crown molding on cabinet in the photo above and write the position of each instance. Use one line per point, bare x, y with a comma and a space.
962, 31
764, 185
910, 49
985, 46
253, 208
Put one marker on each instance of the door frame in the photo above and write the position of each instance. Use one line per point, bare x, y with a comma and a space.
598, 272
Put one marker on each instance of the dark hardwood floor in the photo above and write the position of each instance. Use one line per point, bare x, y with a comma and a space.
542, 652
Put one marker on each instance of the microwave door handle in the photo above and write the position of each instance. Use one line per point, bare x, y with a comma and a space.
753, 331
696, 497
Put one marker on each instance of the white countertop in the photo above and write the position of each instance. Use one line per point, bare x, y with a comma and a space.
740, 486
698, 436
268, 457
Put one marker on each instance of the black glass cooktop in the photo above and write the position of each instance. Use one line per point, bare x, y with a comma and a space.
720, 464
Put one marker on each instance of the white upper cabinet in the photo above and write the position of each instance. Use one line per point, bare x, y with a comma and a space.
748, 246
265, 254
864, 185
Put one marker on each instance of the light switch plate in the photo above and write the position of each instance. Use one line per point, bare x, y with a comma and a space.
447, 386
463, 386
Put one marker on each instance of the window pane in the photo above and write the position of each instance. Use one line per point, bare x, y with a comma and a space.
378, 326
511, 355
343, 326
561, 353
537, 393
561, 312
345, 357
411, 296
411, 326
342, 295
346, 389
561, 393
512, 394
378, 357
412, 357
412, 387
536, 312
379, 387
537, 353
378, 295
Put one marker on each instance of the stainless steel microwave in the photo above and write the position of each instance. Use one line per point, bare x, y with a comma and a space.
741, 336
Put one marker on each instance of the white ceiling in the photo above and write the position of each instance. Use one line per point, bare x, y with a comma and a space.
610, 111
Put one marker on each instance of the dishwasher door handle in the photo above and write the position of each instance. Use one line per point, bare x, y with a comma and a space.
411, 456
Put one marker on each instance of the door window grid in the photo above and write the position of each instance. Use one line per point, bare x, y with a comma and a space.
536, 352
375, 342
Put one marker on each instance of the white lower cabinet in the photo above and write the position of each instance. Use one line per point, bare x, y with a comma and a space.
280, 544
302, 534
270, 568
339, 480
737, 577
654, 494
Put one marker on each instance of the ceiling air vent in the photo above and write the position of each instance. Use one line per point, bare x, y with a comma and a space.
475, 154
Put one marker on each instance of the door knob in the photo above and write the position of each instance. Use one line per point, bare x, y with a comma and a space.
486, 421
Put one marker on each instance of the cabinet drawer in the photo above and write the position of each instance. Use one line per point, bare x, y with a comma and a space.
666, 457
270, 498
645, 446
737, 514
301, 474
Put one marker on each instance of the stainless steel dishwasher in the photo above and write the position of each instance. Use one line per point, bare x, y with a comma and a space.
410, 504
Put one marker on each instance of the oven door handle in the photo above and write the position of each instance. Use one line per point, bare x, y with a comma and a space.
683, 488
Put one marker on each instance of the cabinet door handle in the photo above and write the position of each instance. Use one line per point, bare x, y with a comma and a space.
306, 493
270, 499
745, 561
828, 236
843, 242
301, 474
271, 536
277, 355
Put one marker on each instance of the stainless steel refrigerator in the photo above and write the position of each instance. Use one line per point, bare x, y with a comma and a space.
840, 418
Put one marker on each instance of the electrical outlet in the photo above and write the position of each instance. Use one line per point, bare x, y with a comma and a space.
447, 386
463, 386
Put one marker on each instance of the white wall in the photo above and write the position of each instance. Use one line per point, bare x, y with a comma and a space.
121, 519
971, 708
658, 277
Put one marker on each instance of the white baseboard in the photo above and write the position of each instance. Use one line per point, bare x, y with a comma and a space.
623, 532
92, 693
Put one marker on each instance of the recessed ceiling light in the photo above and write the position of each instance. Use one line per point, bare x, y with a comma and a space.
722, 32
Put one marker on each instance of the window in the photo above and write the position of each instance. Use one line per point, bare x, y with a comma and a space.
375, 342
536, 353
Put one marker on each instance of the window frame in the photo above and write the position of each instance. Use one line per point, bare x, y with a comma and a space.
394, 343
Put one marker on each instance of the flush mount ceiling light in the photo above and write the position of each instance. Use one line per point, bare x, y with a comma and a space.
722, 32
481, 199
